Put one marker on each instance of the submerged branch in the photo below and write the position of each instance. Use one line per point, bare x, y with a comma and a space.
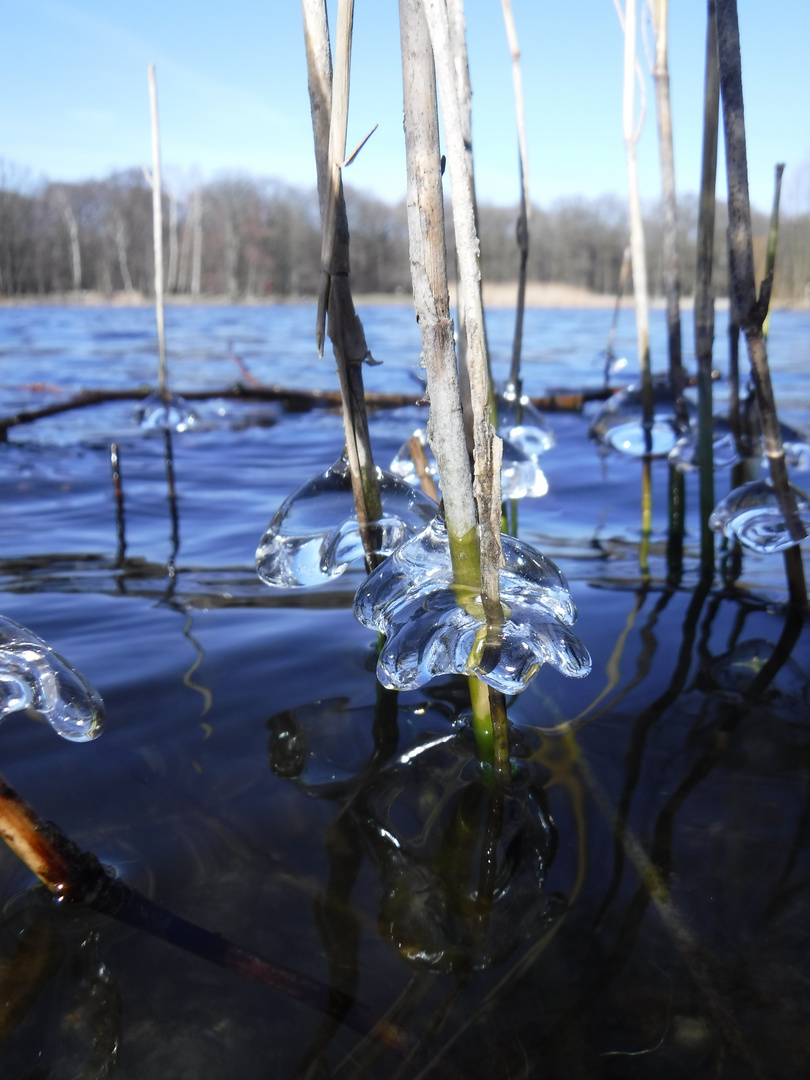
77, 876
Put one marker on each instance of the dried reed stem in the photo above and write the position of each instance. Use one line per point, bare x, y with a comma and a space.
345, 328
704, 296
752, 308
637, 246
672, 286
469, 533
425, 204
458, 165
338, 122
157, 233
525, 202
773, 236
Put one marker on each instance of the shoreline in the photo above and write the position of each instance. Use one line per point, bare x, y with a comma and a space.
539, 296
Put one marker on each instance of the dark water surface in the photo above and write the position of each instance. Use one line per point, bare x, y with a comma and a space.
638, 905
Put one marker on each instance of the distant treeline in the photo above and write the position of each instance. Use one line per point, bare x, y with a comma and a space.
252, 238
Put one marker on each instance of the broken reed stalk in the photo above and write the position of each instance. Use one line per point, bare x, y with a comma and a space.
525, 203
752, 308
446, 433
704, 296
345, 328
157, 233
76, 876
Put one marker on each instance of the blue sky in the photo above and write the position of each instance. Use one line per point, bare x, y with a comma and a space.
233, 97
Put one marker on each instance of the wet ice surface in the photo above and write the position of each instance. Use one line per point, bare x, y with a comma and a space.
752, 515
434, 627
314, 536
35, 678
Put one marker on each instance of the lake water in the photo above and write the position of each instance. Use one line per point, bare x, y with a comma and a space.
650, 901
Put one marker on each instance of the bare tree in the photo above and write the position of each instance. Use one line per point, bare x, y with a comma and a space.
69, 218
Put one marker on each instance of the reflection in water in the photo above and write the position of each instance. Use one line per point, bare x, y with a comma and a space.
462, 862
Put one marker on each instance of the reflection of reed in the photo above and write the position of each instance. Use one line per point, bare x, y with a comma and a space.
120, 521
171, 565
634, 757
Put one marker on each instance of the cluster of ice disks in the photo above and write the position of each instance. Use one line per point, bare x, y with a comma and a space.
751, 513
431, 625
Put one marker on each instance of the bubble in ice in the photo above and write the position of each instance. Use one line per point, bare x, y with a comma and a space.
521, 476
435, 627
752, 514
619, 424
684, 454
315, 536
34, 677
173, 412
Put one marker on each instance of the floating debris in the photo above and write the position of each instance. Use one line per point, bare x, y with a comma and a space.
619, 424
35, 678
752, 514
435, 627
315, 536
156, 412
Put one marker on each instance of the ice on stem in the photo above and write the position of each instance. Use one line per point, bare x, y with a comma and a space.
435, 627
35, 678
620, 426
521, 476
315, 535
521, 423
684, 454
753, 515
171, 412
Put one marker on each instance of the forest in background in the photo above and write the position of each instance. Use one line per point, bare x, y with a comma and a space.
248, 238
